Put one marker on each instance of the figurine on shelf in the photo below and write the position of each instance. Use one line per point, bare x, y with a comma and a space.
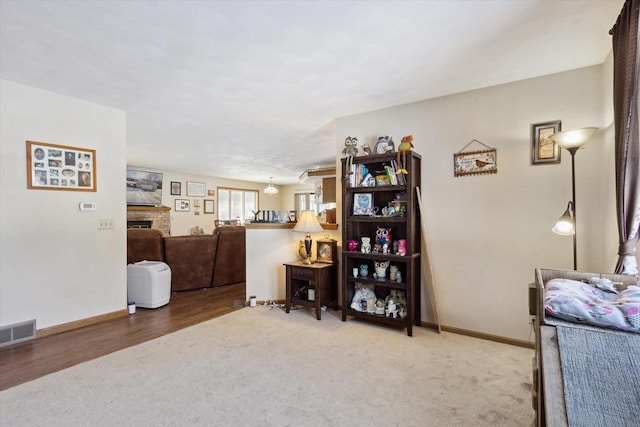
363, 293
365, 248
383, 237
392, 309
401, 296
384, 145
405, 145
402, 247
351, 150
402, 311
364, 270
381, 268
393, 270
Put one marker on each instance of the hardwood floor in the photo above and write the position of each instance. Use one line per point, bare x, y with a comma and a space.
29, 360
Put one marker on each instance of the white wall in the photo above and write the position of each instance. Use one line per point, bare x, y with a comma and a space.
488, 233
267, 251
55, 266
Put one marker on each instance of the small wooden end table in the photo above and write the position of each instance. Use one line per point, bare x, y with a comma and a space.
319, 278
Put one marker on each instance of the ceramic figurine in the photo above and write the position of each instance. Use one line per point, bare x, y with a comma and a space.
302, 251
392, 309
383, 236
402, 247
381, 268
364, 270
366, 245
402, 311
392, 272
371, 305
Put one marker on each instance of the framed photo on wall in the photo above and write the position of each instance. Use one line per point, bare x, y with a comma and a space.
176, 188
543, 149
60, 167
182, 205
196, 189
209, 206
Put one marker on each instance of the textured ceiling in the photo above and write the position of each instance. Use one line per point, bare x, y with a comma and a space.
250, 89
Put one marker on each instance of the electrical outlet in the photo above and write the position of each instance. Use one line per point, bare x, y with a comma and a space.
105, 224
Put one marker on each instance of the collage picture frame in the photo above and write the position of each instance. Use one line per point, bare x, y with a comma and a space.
60, 167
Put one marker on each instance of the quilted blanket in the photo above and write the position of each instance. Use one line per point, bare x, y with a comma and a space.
595, 303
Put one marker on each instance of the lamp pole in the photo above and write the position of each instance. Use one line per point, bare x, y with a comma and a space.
572, 140
572, 151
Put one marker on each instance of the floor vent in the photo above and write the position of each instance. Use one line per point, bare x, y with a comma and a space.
17, 332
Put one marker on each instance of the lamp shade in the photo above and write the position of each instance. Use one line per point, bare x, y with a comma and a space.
565, 225
575, 138
308, 223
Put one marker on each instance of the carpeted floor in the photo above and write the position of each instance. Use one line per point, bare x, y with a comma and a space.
261, 367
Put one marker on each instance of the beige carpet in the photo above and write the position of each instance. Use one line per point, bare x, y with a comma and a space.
261, 367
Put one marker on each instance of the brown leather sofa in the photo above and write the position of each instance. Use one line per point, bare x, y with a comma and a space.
196, 262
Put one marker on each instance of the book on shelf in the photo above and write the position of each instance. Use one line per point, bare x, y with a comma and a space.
361, 176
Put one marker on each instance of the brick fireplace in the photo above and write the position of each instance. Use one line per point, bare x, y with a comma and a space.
158, 215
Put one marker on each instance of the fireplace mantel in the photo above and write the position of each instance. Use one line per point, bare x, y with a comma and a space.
147, 208
158, 215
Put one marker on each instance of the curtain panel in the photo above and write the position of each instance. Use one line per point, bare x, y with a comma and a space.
627, 146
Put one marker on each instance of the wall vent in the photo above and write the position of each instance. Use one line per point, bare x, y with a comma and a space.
17, 332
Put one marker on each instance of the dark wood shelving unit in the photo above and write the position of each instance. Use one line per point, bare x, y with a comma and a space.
405, 226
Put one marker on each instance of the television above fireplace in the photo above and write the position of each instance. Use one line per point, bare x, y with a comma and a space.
144, 188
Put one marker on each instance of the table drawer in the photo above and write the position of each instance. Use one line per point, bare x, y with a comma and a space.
302, 273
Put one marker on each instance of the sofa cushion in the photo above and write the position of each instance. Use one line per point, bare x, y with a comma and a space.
231, 264
191, 260
144, 244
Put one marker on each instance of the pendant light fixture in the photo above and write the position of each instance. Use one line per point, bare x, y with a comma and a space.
270, 189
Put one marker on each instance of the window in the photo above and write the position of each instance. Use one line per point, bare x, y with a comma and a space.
305, 202
236, 204
308, 202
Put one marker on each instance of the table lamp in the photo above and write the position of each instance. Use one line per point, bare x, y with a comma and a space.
308, 223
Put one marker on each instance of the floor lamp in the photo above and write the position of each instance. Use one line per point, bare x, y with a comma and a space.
572, 141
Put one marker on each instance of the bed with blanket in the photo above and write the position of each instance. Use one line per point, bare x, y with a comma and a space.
587, 363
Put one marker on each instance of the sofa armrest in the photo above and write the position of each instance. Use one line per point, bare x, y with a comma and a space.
231, 264
144, 244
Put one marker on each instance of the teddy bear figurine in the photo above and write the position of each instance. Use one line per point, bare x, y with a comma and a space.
362, 295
